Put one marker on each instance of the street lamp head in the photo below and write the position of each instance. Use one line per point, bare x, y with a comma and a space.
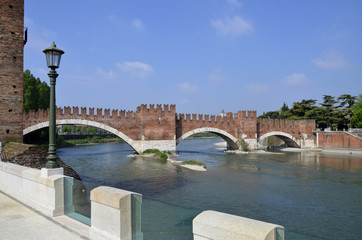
53, 55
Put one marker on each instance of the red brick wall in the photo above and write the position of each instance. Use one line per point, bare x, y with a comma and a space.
293, 127
161, 122
157, 123
235, 124
11, 69
338, 140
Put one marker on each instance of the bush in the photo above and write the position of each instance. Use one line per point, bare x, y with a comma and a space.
244, 145
151, 151
162, 155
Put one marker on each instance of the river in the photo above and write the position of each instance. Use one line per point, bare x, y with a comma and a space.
309, 192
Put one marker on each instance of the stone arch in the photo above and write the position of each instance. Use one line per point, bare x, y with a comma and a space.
286, 137
230, 139
121, 135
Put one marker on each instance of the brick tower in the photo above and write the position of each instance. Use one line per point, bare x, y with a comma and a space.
11, 69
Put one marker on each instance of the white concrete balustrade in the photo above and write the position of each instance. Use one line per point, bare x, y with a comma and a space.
29, 187
116, 213
218, 226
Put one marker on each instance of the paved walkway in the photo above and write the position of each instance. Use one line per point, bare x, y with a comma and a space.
20, 222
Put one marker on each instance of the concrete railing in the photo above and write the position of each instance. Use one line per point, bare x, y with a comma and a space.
29, 187
216, 225
116, 213
111, 214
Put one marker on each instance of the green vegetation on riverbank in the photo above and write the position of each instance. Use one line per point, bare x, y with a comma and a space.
194, 162
93, 139
162, 155
338, 113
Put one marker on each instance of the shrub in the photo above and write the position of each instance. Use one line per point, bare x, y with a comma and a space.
161, 155
244, 145
151, 151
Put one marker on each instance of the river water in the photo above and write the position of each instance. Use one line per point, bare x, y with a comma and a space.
308, 192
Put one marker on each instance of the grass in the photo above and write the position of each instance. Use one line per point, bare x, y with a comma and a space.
162, 155
194, 162
94, 139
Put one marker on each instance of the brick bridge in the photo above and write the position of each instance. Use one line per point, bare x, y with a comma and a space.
161, 127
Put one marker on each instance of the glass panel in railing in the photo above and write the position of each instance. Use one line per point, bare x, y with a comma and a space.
157, 220
77, 199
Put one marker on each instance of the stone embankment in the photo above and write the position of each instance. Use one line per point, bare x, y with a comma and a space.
32, 156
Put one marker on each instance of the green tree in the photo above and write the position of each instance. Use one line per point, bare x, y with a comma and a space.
318, 114
284, 112
83, 129
44, 95
299, 109
270, 115
35, 93
356, 119
331, 114
345, 110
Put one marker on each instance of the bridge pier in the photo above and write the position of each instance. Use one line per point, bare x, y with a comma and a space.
163, 145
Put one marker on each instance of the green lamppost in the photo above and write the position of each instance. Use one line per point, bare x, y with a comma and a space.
53, 55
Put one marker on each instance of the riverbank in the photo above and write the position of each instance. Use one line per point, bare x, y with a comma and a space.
322, 150
87, 141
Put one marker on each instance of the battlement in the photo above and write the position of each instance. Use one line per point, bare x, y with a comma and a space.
84, 112
241, 115
36, 114
159, 108
286, 122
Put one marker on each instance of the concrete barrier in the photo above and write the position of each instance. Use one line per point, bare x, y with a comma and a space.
216, 225
116, 213
111, 214
29, 187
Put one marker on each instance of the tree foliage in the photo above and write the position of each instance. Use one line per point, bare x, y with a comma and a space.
335, 113
36, 94
356, 119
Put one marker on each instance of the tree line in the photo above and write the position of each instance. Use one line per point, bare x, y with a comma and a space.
336, 113
36, 94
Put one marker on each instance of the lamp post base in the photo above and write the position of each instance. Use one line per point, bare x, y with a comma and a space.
52, 161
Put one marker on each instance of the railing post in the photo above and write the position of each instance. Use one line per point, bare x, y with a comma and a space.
217, 225
111, 213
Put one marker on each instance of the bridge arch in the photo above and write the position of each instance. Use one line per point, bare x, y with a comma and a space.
121, 135
230, 139
286, 137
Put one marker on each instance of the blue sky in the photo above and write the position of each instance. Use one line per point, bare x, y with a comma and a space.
202, 55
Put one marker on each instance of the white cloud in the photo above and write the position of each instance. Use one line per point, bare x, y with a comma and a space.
136, 69
234, 3
297, 80
115, 20
106, 75
235, 26
330, 60
257, 88
138, 24
217, 76
186, 87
